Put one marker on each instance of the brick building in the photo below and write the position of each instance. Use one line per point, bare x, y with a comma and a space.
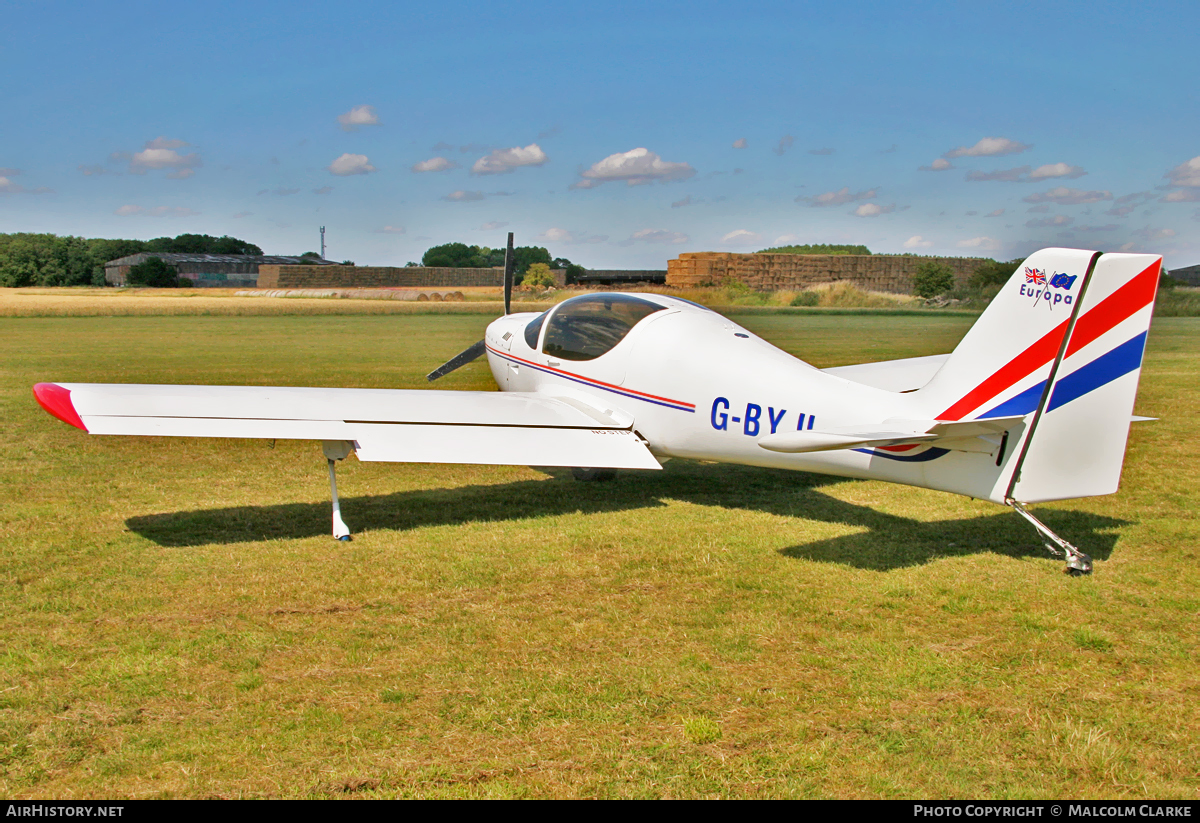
215, 270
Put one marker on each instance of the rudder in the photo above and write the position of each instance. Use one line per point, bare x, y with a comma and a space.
1076, 446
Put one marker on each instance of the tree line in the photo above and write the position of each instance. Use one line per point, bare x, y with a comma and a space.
816, 248
50, 260
460, 256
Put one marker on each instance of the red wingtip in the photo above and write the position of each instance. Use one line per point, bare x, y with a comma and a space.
57, 400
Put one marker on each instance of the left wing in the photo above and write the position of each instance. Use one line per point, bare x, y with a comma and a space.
412, 426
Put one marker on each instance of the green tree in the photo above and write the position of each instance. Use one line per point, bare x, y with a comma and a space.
817, 248
154, 272
932, 278
571, 270
526, 256
451, 255
460, 255
202, 244
993, 274
538, 276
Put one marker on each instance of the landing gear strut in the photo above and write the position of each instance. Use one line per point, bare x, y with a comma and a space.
337, 450
1078, 563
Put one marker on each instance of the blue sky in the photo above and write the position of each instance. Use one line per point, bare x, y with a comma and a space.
616, 134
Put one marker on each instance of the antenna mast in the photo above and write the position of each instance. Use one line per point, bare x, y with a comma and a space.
322, 242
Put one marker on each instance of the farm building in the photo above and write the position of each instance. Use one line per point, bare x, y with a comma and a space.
1189, 275
217, 270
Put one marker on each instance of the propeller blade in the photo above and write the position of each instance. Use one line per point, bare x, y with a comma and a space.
460, 359
509, 263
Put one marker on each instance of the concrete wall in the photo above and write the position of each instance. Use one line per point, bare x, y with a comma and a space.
324, 277
774, 272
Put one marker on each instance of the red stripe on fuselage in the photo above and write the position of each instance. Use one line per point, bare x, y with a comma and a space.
612, 386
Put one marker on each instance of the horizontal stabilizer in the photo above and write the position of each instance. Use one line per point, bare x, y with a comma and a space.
888, 433
892, 375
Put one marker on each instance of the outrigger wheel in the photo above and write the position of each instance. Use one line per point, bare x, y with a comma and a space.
1078, 563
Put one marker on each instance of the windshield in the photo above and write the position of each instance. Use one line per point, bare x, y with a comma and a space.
586, 327
534, 329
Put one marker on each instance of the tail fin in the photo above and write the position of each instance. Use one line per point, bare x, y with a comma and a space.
1076, 445
1062, 344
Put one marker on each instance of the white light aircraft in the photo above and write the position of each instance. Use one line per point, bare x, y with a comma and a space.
1033, 405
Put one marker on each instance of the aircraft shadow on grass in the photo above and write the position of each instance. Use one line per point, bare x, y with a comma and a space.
887, 541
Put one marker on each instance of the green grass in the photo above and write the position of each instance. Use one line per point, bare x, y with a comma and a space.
177, 622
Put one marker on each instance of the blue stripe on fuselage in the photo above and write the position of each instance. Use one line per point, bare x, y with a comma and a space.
586, 382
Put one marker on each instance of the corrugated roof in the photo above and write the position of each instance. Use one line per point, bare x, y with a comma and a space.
177, 257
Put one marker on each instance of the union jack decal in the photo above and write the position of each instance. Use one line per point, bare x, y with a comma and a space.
1035, 276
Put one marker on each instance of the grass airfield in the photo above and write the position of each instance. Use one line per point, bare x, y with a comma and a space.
177, 622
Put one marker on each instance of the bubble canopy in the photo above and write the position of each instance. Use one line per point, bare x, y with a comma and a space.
584, 328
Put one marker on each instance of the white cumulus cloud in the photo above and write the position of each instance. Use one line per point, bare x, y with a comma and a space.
461, 196
157, 211
785, 143
941, 164
635, 167
981, 243
1056, 170
1005, 175
838, 198
874, 209
160, 153
349, 164
391, 230
1047, 222
989, 147
741, 237
917, 242
435, 164
570, 238
658, 236
503, 161
1155, 234
740, 143
995, 213
1180, 196
357, 117
1185, 174
1064, 196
